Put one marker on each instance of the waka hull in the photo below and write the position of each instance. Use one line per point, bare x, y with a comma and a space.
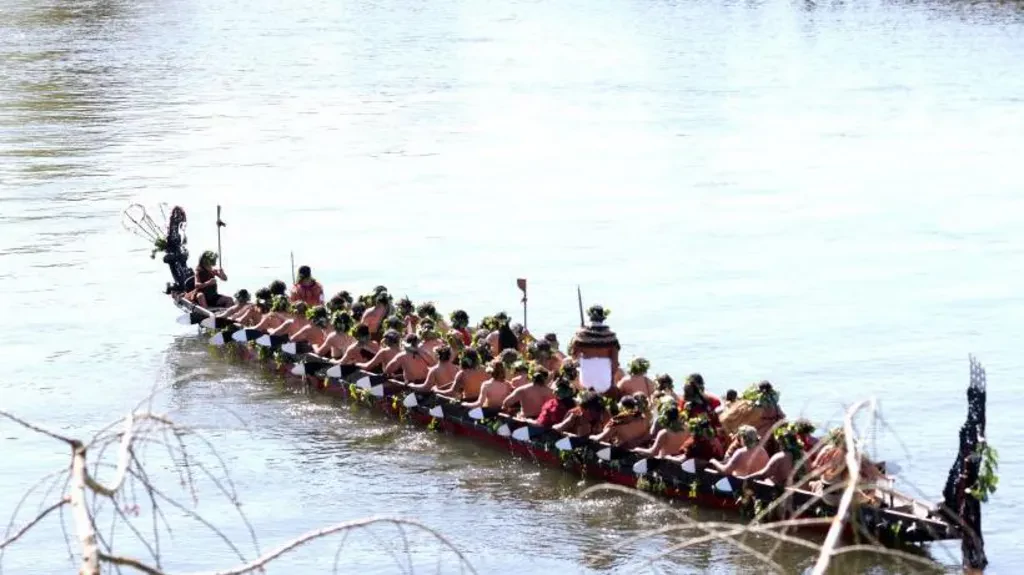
907, 524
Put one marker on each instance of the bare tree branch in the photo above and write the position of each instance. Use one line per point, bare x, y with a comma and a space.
36, 428
129, 562
32, 523
339, 528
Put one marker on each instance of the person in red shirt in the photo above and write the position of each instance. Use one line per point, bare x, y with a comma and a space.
555, 409
696, 402
307, 289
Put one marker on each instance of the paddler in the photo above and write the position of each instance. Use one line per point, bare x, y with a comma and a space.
295, 322
314, 332
629, 427
596, 342
493, 391
363, 349
781, 468
389, 349
637, 381
530, 398
205, 293
442, 374
374, 316
587, 418
520, 374
460, 323
467, 382
241, 308
430, 339
671, 436
748, 458
552, 340
275, 317
307, 289
412, 362
540, 352
339, 340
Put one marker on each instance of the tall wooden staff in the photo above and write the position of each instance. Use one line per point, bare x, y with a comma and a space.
220, 224
579, 298
521, 282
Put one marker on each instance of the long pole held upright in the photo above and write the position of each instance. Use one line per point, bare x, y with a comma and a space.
521, 282
293, 268
579, 298
220, 224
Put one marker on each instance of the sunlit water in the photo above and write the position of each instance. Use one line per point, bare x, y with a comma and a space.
827, 195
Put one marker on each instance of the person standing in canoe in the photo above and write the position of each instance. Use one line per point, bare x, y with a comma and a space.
205, 294
307, 289
596, 342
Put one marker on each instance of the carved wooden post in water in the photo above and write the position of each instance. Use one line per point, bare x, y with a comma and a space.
960, 499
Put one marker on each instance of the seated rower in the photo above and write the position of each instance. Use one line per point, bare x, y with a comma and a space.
570, 371
552, 340
555, 409
427, 312
307, 289
413, 362
339, 340
540, 352
493, 391
374, 317
805, 434
781, 468
695, 402
597, 342
503, 337
205, 293
468, 380
460, 323
295, 322
363, 349
747, 459
388, 350
587, 418
627, 429
530, 398
730, 399
829, 465
339, 301
703, 443
277, 288
236, 306
671, 436
665, 389
430, 339
275, 317
440, 375
521, 374
314, 332
637, 381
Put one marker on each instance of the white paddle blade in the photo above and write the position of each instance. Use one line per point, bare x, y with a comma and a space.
299, 369
377, 391
724, 485
410, 401
289, 348
605, 454
363, 383
436, 411
209, 323
217, 340
263, 340
504, 431
334, 371
239, 336
690, 466
640, 467
521, 434
564, 444
185, 319
476, 413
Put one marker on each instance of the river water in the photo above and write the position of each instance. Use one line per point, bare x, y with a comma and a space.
827, 195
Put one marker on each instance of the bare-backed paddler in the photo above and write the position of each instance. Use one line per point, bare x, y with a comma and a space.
412, 362
363, 349
468, 380
339, 339
442, 374
388, 350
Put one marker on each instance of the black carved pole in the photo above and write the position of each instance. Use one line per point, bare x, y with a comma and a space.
963, 474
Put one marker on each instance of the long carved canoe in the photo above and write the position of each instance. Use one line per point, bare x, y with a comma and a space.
898, 522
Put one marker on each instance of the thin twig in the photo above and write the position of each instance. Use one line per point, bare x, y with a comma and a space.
32, 523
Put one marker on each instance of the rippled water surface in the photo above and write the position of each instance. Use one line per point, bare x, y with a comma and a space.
824, 194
